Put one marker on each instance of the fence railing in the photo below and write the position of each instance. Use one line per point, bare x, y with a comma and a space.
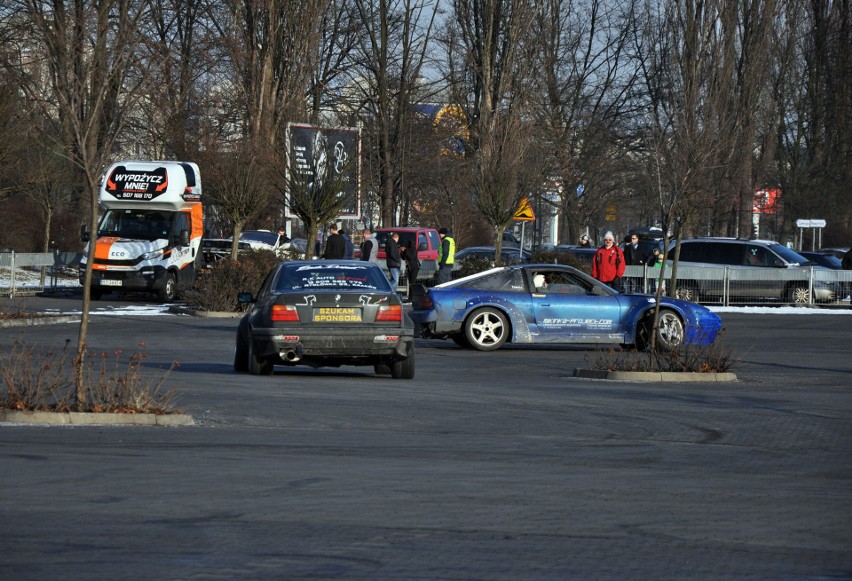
733, 285
28, 273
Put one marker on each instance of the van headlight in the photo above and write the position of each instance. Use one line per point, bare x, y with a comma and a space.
152, 255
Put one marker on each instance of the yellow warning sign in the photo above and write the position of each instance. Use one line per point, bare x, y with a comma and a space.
524, 212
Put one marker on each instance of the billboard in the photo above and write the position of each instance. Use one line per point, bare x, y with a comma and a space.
316, 153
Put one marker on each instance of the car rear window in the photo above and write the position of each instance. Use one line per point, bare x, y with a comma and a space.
332, 277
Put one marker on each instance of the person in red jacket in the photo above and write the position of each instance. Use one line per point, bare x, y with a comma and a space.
608, 263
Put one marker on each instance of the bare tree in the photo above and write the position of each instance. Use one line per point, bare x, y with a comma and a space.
90, 51
492, 78
585, 79
392, 52
236, 186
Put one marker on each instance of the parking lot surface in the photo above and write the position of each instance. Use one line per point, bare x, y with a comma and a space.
493, 465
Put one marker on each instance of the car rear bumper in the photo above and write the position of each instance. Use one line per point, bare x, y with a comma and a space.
333, 344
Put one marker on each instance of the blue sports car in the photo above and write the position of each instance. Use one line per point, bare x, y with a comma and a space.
551, 303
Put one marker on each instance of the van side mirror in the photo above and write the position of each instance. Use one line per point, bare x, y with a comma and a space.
84, 233
422, 246
184, 237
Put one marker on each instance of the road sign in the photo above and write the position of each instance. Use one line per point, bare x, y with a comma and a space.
804, 223
524, 212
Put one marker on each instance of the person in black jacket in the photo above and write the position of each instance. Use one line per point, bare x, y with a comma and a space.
335, 246
394, 260
634, 256
409, 253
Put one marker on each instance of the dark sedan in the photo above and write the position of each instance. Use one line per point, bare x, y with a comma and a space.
324, 313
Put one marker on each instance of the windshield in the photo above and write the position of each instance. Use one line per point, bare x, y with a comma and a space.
136, 224
270, 238
332, 277
788, 254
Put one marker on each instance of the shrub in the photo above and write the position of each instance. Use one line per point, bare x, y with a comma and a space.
714, 358
44, 381
216, 289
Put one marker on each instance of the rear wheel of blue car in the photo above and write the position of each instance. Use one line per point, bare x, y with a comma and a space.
486, 329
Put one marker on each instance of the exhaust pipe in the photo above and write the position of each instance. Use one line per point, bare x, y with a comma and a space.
293, 355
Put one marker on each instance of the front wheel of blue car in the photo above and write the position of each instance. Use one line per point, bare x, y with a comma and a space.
486, 329
670, 334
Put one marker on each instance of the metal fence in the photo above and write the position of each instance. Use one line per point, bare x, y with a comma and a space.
28, 273
733, 285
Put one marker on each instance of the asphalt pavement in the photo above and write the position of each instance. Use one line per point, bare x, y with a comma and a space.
485, 466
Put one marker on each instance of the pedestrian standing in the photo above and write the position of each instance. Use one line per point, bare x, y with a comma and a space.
447, 256
334, 245
412, 261
608, 263
348, 247
369, 247
394, 260
634, 256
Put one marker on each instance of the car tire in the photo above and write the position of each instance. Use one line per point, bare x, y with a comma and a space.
670, 334
169, 291
382, 369
460, 339
798, 295
404, 369
486, 329
96, 294
241, 354
257, 365
687, 291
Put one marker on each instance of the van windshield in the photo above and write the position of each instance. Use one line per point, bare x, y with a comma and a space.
136, 224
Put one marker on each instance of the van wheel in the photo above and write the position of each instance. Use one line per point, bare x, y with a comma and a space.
96, 294
798, 295
169, 291
687, 291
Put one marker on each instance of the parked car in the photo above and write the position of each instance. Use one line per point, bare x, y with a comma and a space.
507, 255
325, 313
214, 249
551, 303
826, 259
839, 252
706, 254
584, 253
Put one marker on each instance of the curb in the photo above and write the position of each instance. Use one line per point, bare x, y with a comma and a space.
92, 419
34, 321
661, 376
205, 314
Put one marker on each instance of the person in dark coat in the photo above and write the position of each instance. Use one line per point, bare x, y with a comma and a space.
634, 256
349, 248
394, 260
335, 246
412, 261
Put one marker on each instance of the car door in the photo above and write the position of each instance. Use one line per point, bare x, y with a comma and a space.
572, 309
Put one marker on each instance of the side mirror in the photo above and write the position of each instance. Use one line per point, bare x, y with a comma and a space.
422, 246
84, 233
184, 237
245, 298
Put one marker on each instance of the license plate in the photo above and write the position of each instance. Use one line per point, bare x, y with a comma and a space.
337, 315
110, 282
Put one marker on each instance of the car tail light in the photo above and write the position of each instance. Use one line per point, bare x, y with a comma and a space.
389, 313
285, 313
